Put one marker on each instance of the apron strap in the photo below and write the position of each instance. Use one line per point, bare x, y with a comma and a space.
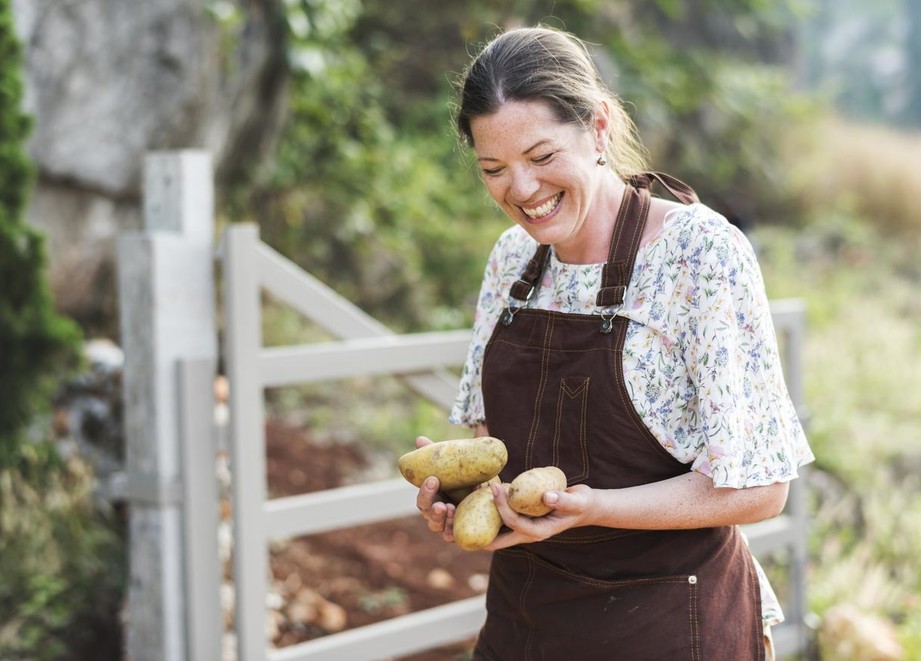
679, 190
524, 287
628, 230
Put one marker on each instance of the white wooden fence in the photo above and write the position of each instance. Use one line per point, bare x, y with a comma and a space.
364, 347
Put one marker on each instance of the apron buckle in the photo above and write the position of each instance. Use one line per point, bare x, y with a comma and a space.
607, 319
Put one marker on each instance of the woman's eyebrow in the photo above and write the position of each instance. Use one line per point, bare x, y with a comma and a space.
526, 151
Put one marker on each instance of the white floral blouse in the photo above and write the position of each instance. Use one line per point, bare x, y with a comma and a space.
700, 358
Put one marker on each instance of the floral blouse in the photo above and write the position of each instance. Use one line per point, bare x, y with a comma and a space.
700, 357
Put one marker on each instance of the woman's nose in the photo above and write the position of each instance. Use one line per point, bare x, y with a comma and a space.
524, 184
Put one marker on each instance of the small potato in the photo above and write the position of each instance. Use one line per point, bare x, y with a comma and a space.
456, 463
526, 493
476, 520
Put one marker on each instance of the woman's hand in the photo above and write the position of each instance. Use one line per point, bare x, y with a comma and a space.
571, 509
438, 514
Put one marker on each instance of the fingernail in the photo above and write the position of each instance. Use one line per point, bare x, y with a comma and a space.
551, 497
430, 483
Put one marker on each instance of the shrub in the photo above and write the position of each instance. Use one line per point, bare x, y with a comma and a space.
63, 561
36, 342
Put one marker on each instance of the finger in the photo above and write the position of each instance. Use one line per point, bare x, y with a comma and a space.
572, 500
422, 441
436, 517
448, 533
510, 517
427, 497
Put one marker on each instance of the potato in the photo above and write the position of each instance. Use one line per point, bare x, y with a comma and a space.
526, 493
476, 520
456, 463
457, 495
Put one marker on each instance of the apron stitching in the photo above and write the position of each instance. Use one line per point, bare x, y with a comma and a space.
758, 624
692, 614
597, 582
595, 538
541, 386
523, 608
567, 391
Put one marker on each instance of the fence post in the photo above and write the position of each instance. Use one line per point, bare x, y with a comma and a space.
166, 296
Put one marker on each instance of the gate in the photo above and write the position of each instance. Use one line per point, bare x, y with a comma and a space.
364, 347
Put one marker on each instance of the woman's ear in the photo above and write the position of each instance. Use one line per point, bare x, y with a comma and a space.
602, 125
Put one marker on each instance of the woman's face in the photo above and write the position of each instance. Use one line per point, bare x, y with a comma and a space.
544, 174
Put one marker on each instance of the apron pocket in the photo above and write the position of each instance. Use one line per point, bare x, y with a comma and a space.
638, 619
570, 446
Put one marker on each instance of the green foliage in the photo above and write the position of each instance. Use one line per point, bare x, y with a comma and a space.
855, 265
391, 219
37, 343
63, 561
369, 192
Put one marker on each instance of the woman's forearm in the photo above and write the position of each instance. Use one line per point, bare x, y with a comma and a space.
686, 501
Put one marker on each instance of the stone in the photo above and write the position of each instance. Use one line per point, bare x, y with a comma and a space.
107, 81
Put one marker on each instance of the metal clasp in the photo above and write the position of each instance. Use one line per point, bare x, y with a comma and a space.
607, 319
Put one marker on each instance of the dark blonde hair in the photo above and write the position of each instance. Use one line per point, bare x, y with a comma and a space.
542, 64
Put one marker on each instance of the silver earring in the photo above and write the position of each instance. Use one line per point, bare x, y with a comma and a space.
602, 160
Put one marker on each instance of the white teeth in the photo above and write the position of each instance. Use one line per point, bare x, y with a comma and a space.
545, 208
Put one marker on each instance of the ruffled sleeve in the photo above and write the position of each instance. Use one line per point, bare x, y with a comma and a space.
740, 412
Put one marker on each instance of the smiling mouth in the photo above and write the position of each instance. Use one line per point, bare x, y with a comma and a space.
544, 209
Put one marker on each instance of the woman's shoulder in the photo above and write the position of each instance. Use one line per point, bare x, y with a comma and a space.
697, 230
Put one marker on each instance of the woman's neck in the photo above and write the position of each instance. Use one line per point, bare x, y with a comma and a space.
598, 228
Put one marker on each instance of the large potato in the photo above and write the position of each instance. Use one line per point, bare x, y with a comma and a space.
526, 493
477, 520
456, 463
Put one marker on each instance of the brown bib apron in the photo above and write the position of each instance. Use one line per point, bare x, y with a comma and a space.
554, 391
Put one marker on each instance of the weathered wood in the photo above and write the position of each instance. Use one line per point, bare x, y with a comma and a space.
247, 438
166, 295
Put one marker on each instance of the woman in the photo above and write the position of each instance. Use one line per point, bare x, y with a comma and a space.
626, 339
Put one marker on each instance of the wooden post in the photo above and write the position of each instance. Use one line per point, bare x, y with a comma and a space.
166, 294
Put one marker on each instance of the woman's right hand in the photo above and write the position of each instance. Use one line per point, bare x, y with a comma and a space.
438, 514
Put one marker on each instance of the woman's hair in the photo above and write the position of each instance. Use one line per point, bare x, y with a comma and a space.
542, 64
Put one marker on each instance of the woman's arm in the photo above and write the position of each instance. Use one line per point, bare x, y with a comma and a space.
686, 501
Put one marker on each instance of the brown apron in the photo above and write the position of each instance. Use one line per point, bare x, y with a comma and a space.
554, 391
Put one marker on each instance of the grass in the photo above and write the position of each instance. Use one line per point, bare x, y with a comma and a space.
854, 264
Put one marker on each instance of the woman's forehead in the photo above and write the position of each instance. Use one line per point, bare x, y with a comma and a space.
518, 127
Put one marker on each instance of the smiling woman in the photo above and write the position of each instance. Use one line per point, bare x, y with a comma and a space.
626, 340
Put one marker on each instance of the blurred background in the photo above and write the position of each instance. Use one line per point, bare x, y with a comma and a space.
329, 122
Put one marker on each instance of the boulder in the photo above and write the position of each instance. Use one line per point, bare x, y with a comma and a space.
106, 81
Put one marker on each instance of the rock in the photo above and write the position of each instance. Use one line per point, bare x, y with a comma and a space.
478, 582
440, 579
107, 81
88, 416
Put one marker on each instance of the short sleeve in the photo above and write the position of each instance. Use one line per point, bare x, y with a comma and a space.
740, 411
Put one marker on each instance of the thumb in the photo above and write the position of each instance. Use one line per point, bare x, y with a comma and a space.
573, 499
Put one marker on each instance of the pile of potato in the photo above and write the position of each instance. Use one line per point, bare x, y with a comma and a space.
465, 468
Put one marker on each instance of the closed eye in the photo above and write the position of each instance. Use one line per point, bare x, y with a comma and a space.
544, 159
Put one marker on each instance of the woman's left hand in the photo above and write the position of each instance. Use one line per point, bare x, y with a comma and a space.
571, 508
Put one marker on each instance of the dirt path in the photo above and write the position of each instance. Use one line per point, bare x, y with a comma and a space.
349, 578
